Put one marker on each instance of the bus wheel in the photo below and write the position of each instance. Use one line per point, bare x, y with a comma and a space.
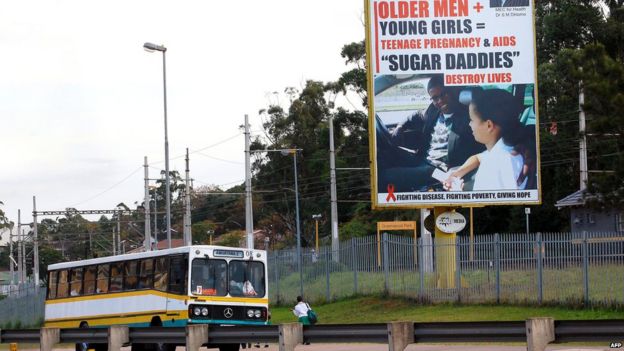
229, 347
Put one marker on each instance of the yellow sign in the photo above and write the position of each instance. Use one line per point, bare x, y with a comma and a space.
409, 225
398, 225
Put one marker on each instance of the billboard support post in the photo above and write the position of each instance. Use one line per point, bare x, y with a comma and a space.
445, 254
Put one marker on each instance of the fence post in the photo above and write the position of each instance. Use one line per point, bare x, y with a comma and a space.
386, 263
421, 269
457, 269
327, 263
497, 254
48, 337
540, 285
354, 264
276, 264
585, 268
118, 335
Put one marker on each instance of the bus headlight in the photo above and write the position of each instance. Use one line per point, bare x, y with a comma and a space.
250, 313
204, 311
257, 313
197, 311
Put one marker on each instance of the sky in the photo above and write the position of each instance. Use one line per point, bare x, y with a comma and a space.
81, 102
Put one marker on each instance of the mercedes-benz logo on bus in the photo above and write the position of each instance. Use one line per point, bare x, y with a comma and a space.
228, 312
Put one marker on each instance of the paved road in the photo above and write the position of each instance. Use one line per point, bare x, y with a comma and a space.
382, 347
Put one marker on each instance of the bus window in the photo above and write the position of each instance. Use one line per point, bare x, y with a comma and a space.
76, 282
209, 277
247, 279
116, 277
130, 275
63, 285
52, 276
161, 274
102, 279
146, 274
177, 277
90, 274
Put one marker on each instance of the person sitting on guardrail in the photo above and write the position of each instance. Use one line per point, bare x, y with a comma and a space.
301, 312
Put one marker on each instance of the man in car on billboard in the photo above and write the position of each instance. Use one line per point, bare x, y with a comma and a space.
446, 141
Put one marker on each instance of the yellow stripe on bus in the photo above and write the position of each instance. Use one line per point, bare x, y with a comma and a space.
105, 320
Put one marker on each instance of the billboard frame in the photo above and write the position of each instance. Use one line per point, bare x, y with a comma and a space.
375, 205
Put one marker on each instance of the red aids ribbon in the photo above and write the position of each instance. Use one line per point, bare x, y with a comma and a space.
390, 193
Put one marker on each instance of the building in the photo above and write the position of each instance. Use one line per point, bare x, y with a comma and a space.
585, 219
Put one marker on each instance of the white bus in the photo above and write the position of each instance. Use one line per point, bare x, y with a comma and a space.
172, 287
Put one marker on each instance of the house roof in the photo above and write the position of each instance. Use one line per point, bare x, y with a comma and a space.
574, 199
577, 198
163, 244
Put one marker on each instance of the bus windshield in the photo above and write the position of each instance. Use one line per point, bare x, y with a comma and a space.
211, 277
208, 277
246, 278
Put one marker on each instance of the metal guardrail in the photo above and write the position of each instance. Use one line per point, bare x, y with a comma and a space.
599, 330
88, 335
336, 333
171, 335
564, 331
470, 332
20, 335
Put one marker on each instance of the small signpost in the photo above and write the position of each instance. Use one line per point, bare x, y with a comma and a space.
405, 225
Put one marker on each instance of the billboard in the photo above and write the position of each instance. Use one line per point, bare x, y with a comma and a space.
453, 103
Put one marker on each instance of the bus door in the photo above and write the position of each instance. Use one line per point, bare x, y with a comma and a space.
161, 279
178, 269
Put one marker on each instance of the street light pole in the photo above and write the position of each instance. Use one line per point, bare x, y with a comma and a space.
151, 48
294, 152
285, 152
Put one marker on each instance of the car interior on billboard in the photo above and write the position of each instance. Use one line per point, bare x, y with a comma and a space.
436, 143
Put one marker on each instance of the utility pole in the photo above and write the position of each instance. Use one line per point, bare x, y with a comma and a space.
20, 249
156, 216
187, 204
333, 196
147, 241
114, 245
35, 245
248, 198
11, 258
583, 140
119, 231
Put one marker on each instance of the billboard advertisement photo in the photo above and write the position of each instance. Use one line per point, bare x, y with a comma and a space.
453, 103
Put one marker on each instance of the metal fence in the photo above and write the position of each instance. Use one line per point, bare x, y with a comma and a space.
561, 268
22, 307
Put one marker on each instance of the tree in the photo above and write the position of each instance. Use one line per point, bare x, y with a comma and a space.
4, 221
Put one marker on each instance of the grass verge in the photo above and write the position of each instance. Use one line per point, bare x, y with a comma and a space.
377, 309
